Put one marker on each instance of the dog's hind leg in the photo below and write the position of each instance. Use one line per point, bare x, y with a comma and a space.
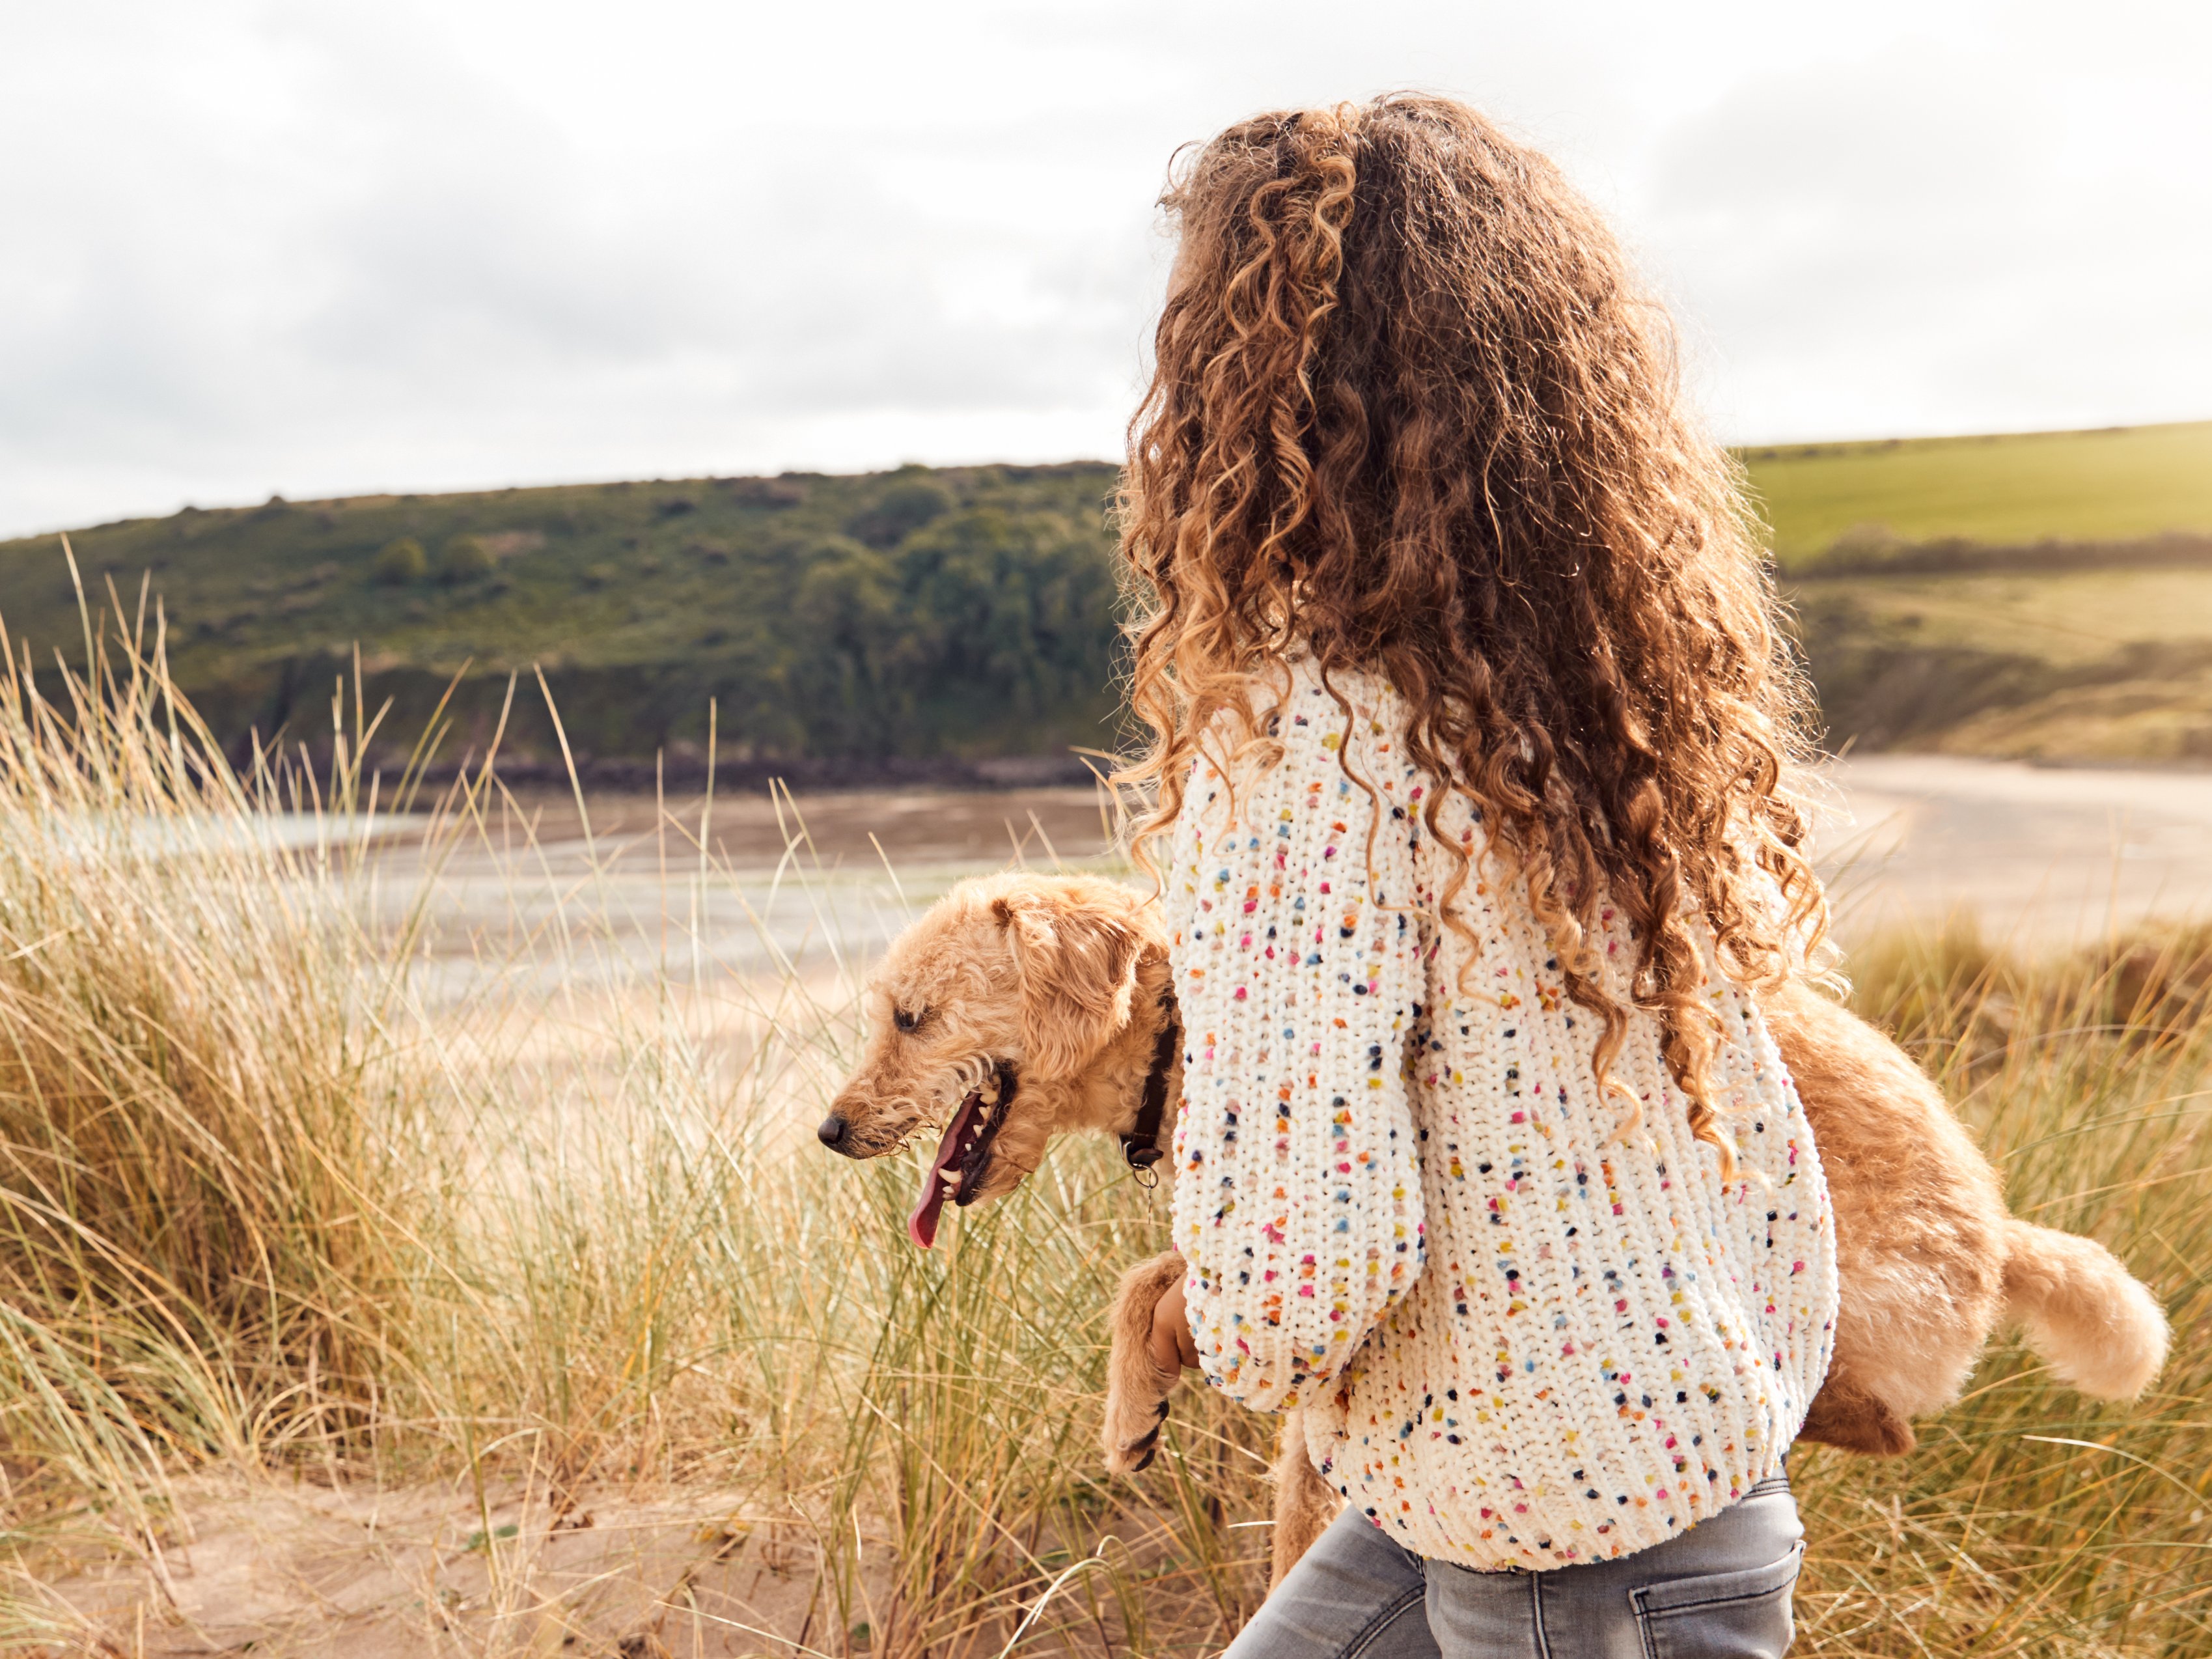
1137, 1389
1305, 1505
1847, 1414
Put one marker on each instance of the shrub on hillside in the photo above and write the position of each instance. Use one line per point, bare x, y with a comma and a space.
908, 502
466, 559
1865, 543
764, 492
977, 622
401, 561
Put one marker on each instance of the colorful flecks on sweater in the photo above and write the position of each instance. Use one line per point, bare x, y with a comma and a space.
1521, 1336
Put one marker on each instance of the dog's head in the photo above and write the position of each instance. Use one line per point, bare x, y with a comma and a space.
1007, 986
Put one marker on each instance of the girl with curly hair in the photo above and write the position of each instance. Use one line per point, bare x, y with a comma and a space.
1473, 735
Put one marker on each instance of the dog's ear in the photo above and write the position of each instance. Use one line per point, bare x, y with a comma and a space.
1077, 962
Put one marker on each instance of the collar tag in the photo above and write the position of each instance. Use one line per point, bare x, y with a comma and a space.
1141, 1147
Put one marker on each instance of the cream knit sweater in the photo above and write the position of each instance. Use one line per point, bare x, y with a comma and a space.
1521, 1337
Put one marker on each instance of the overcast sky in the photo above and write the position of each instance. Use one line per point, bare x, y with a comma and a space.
324, 249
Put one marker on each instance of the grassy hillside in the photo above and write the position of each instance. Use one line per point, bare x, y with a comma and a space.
2046, 594
2121, 485
2101, 665
916, 615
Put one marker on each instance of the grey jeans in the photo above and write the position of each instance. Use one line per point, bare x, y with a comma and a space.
1719, 1591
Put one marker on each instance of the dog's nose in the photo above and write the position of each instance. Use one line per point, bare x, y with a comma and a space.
832, 1132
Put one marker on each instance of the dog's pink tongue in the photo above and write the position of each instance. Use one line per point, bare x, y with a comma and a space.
922, 1225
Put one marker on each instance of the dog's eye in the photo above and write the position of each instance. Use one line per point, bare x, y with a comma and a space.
909, 1019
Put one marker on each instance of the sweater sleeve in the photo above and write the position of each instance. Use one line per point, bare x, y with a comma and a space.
1298, 966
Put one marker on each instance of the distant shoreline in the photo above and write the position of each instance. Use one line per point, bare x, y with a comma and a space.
690, 774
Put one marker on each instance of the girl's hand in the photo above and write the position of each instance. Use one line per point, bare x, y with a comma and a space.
1172, 1348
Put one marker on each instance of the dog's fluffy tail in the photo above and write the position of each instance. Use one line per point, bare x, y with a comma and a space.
2096, 1325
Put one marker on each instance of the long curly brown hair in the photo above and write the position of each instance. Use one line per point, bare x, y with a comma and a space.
1411, 414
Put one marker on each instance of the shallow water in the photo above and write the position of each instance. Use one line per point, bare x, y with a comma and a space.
2039, 856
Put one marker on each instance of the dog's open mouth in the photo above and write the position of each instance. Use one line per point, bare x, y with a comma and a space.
963, 1155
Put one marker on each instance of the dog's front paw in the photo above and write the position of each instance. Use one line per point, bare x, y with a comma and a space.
1131, 1436
1137, 1389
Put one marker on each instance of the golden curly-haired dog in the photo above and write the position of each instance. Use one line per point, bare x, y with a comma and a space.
1022, 1006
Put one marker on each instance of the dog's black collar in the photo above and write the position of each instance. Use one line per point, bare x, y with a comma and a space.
1141, 1146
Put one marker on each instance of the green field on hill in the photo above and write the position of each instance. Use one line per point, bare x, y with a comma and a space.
2046, 595
2122, 484
2040, 596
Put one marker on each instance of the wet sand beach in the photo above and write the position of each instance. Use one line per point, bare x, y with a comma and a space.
2038, 857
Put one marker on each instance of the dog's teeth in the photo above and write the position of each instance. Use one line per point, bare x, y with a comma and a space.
989, 1096
950, 1179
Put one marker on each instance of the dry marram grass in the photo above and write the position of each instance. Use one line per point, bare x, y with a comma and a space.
323, 1191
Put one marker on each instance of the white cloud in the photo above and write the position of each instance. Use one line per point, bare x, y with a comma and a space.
320, 248
1936, 238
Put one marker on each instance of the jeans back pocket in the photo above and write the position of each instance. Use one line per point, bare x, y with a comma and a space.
1721, 1615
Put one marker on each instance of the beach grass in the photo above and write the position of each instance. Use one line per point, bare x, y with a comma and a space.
483, 1167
